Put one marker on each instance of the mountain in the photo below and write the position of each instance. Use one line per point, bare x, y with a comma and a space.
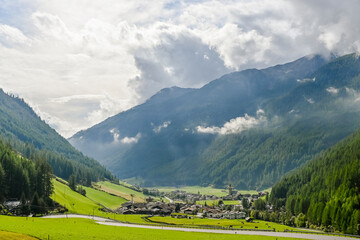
326, 191
26, 133
246, 128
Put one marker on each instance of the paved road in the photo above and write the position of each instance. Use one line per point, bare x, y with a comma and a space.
108, 222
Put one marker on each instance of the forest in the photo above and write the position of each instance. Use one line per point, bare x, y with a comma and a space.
325, 193
28, 180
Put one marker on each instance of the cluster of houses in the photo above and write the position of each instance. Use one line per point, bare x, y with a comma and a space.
178, 210
186, 206
149, 208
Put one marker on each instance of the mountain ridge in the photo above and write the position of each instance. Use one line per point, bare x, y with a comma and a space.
233, 100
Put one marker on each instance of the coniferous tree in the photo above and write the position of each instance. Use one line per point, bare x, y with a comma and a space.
24, 207
35, 204
2, 183
72, 182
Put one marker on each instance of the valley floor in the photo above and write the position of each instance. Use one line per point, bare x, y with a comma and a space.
78, 227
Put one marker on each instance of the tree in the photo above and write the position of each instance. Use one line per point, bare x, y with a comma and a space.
2, 183
35, 204
72, 182
245, 203
44, 176
24, 207
300, 221
177, 208
260, 205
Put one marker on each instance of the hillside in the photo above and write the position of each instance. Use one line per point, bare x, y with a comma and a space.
23, 178
21, 128
326, 189
246, 128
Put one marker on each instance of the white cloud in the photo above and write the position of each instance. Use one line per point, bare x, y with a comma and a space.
116, 134
157, 129
332, 90
12, 35
306, 80
235, 125
131, 140
309, 100
126, 51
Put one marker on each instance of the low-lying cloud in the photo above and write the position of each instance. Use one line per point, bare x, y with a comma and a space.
332, 90
125, 140
235, 125
157, 129
131, 140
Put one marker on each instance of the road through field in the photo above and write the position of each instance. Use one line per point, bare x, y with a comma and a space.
108, 222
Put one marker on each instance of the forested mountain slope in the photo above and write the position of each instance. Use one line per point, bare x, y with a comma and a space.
327, 189
246, 128
21, 128
22, 178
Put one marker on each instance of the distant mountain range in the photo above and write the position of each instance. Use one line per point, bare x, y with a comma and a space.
246, 128
26, 133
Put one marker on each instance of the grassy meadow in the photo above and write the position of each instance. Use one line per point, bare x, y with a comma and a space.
109, 201
14, 236
76, 228
77, 203
121, 191
235, 223
206, 190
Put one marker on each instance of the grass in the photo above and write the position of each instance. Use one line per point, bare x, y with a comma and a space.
14, 236
121, 191
195, 189
77, 203
64, 229
206, 190
73, 201
235, 223
104, 198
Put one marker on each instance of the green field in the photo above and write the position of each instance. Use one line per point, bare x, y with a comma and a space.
14, 236
73, 201
235, 223
77, 203
121, 191
76, 228
206, 190
104, 198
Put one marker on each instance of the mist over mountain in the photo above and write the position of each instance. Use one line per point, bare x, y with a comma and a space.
246, 128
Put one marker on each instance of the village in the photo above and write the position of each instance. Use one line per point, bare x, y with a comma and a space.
181, 204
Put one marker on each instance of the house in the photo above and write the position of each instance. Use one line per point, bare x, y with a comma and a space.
129, 211
189, 210
12, 205
255, 196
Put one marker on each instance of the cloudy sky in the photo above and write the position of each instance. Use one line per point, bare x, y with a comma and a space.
78, 62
